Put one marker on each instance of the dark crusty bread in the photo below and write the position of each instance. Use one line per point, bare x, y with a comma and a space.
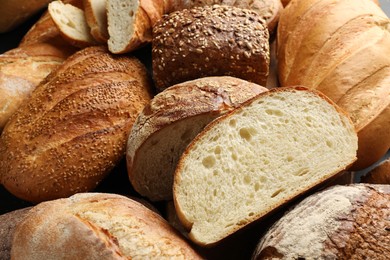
210, 41
8, 224
73, 129
380, 174
172, 119
247, 163
342, 222
97, 226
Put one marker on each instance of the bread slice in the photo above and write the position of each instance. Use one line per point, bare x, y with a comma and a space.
72, 24
169, 123
97, 226
263, 154
342, 222
96, 17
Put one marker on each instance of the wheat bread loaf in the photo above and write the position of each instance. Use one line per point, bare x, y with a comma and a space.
380, 174
97, 226
341, 49
342, 222
249, 162
130, 23
210, 41
73, 129
71, 23
170, 121
96, 17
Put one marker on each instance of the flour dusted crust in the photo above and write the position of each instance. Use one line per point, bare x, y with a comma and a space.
97, 226
210, 41
342, 222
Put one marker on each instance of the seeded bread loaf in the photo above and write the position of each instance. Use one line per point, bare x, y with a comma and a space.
168, 124
73, 129
247, 163
342, 222
130, 23
210, 41
97, 226
380, 174
341, 48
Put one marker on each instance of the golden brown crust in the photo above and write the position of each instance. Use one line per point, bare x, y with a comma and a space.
210, 41
97, 226
378, 175
74, 128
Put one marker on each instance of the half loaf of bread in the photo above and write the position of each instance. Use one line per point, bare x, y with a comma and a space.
342, 222
73, 129
97, 226
261, 155
169, 123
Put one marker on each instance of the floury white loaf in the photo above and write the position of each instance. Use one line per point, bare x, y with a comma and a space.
97, 226
342, 222
256, 158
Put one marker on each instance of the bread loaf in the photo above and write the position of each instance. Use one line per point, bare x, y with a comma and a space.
168, 124
8, 224
96, 17
341, 49
210, 41
380, 174
15, 12
248, 162
73, 129
97, 226
130, 23
342, 222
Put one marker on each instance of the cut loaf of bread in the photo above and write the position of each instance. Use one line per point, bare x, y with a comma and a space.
72, 24
97, 226
247, 163
96, 17
342, 222
169, 123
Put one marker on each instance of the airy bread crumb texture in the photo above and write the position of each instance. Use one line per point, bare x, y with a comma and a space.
249, 162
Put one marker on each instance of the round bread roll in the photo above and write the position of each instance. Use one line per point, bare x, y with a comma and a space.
97, 226
210, 41
168, 124
342, 222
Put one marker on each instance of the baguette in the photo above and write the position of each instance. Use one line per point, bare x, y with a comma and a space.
210, 41
130, 24
247, 163
341, 49
342, 222
73, 129
97, 226
168, 124
96, 17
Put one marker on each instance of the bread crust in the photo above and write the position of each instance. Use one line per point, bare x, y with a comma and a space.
210, 41
192, 103
74, 128
96, 226
380, 174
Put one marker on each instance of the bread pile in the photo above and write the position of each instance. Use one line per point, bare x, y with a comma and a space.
158, 129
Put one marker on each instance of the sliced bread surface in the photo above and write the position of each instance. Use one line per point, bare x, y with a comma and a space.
96, 17
249, 162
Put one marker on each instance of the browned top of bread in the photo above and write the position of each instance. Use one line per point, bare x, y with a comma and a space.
97, 226
210, 41
73, 129
342, 222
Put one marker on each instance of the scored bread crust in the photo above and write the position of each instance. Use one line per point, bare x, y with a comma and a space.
97, 226
341, 222
195, 207
210, 41
170, 121
73, 129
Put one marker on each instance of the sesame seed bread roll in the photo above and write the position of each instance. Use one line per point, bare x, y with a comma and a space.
97, 226
341, 222
168, 124
251, 161
73, 129
210, 41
